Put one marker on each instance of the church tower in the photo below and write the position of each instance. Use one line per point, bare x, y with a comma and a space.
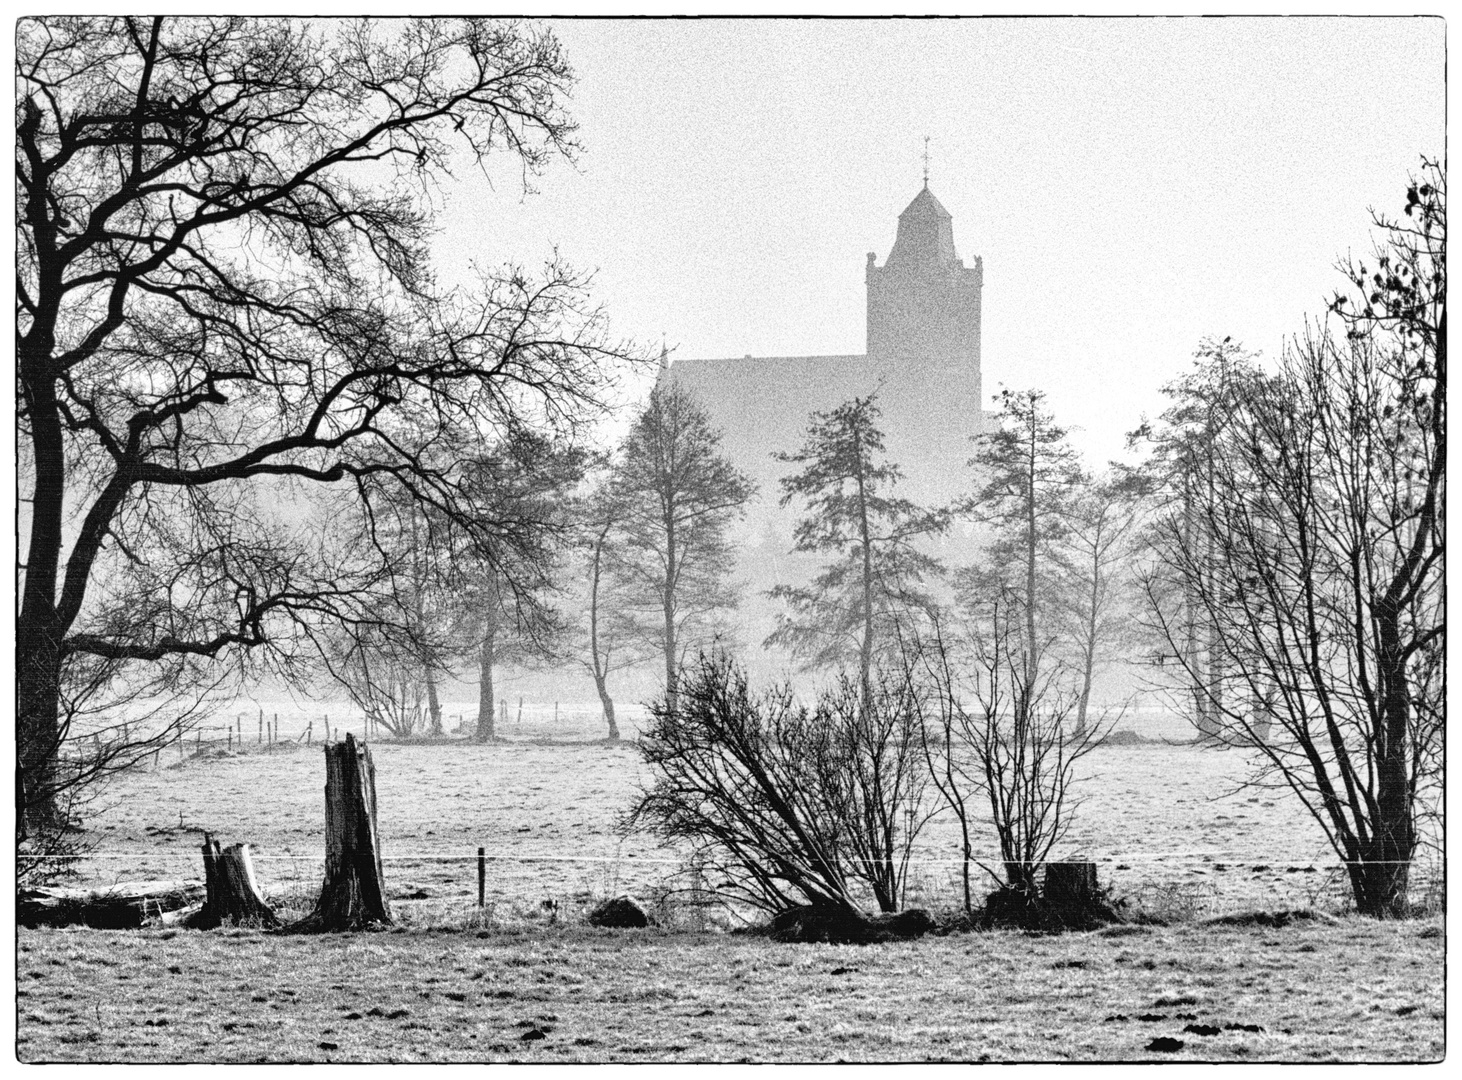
924, 341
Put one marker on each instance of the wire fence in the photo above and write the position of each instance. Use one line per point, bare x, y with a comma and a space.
1191, 883
242, 725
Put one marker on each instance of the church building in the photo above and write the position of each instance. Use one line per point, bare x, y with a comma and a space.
922, 360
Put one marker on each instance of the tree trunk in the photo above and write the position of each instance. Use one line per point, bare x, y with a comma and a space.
668, 597
233, 894
1381, 876
38, 631
1030, 571
38, 732
1088, 665
865, 650
600, 667
608, 703
433, 704
353, 896
486, 699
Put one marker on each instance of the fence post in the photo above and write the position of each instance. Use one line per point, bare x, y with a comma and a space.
261, 725
274, 735
310, 732
520, 709
481, 877
230, 737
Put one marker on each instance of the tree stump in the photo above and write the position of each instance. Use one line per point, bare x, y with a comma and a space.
233, 894
1071, 893
353, 896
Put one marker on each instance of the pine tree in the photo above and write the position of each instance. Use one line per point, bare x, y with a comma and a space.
862, 602
1029, 472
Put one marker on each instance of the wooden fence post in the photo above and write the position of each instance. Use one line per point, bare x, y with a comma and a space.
481, 877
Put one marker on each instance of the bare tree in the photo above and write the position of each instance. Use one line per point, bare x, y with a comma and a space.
1094, 564
1325, 581
1016, 733
678, 498
611, 639
223, 296
1177, 480
505, 592
859, 606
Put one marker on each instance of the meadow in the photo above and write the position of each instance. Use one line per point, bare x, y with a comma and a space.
1172, 827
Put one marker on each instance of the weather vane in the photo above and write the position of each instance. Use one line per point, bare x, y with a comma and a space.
926, 160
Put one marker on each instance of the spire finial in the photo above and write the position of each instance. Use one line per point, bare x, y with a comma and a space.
926, 161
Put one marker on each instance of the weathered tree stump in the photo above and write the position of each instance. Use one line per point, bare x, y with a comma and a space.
1071, 892
233, 894
353, 896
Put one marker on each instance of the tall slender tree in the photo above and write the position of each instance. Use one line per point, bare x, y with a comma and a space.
679, 497
860, 605
1178, 477
1030, 474
1094, 562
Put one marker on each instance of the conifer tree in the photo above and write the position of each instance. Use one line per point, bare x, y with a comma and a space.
1029, 472
859, 604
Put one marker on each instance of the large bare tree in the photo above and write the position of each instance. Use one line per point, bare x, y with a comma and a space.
1319, 559
677, 497
224, 298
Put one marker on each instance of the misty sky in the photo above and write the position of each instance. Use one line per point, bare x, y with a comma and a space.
1132, 185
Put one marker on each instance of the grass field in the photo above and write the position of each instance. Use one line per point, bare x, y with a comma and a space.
1352, 991
1170, 826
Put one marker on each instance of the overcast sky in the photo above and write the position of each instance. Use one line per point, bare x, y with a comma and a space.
1132, 185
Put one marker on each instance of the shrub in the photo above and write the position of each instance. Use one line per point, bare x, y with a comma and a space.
785, 805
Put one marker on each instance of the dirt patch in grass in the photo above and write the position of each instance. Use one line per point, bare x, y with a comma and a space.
1362, 991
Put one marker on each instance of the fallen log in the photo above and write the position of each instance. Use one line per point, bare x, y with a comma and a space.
123, 906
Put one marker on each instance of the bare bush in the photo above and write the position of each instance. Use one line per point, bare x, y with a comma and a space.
990, 731
785, 805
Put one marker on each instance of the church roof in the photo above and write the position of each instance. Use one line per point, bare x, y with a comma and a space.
925, 237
